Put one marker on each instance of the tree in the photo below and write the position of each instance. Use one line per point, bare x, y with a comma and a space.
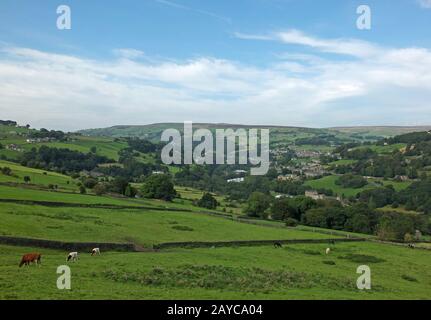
6, 171
82, 190
207, 201
290, 222
119, 185
159, 186
89, 183
99, 189
280, 209
257, 204
130, 191
351, 181
378, 197
394, 226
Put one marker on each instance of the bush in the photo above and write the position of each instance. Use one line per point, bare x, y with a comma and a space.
408, 238
290, 222
99, 189
159, 186
351, 181
257, 205
6, 171
82, 190
89, 183
207, 201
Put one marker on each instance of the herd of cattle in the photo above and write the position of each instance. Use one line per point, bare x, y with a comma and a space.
35, 258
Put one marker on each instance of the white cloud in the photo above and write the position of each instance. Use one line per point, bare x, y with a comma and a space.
129, 53
385, 86
351, 47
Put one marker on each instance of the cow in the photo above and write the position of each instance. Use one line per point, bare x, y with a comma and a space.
72, 256
30, 258
412, 246
328, 250
95, 251
277, 245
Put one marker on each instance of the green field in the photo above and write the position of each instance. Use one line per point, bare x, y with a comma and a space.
104, 146
296, 271
293, 272
143, 227
342, 162
385, 149
38, 177
328, 182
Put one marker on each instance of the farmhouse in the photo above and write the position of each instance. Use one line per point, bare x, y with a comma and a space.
314, 195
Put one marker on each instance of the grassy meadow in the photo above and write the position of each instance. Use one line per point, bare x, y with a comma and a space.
293, 272
329, 182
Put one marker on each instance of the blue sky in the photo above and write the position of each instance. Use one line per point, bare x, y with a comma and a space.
286, 62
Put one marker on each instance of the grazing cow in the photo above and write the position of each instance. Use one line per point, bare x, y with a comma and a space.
412, 246
277, 245
72, 256
95, 251
30, 258
328, 250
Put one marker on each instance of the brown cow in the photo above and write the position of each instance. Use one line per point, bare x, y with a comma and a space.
30, 258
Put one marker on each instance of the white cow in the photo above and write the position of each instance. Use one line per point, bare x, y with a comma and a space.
72, 256
328, 250
95, 251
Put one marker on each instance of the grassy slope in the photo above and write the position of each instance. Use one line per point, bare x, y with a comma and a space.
37, 176
104, 146
385, 149
328, 182
118, 275
145, 227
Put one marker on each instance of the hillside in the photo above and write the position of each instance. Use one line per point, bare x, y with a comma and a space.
282, 134
69, 189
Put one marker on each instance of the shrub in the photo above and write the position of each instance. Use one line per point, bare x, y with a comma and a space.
207, 201
290, 222
6, 171
82, 190
257, 205
99, 189
159, 186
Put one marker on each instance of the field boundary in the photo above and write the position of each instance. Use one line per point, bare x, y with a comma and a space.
400, 244
83, 205
250, 243
131, 247
71, 246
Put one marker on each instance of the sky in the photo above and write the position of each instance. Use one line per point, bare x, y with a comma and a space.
268, 62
